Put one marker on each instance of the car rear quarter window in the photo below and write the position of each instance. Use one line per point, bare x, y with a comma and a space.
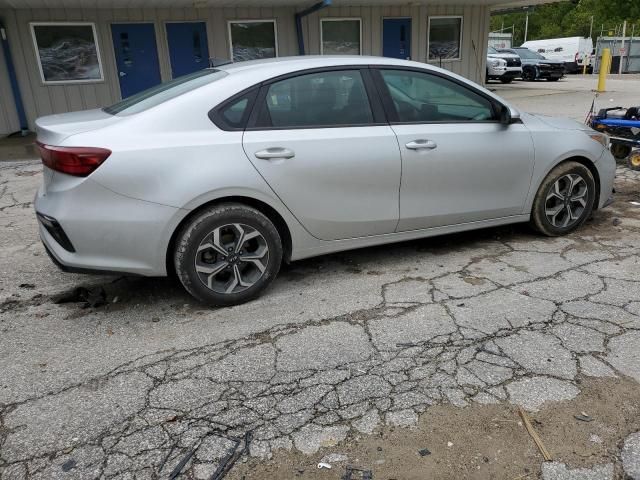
234, 112
323, 99
423, 97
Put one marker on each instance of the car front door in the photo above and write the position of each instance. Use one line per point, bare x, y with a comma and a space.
321, 142
460, 164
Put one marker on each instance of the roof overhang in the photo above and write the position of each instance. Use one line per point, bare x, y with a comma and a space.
93, 4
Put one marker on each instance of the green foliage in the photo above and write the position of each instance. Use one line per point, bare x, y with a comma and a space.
570, 19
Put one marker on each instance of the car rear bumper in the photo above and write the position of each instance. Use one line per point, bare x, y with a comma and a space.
106, 232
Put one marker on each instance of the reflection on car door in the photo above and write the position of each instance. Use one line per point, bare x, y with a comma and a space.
327, 152
459, 163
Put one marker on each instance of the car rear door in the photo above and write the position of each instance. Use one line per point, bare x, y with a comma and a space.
320, 140
459, 163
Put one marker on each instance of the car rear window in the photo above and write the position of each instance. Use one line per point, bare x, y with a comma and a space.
165, 91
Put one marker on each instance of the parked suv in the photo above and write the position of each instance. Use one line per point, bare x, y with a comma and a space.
503, 66
537, 67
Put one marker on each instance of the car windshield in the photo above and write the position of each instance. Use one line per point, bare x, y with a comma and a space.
530, 54
165, 91
492, 50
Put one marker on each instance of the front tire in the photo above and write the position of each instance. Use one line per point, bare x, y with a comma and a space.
506, 80
529, 75
227, 254
564, 200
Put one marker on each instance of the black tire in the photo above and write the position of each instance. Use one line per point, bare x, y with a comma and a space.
528, 75
200, 229
620, 151
553, 79
506, 80
539, 218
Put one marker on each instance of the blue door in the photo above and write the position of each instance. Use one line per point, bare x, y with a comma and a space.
396, 38
136, 56
188, 49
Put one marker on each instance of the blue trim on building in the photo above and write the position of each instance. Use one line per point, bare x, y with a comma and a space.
13, 80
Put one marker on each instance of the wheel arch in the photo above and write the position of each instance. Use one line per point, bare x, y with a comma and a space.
582, 160
264, 208
594, 171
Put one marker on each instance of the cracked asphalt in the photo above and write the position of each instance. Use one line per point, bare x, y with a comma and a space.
342, 349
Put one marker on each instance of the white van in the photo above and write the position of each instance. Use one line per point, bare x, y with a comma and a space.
571, 50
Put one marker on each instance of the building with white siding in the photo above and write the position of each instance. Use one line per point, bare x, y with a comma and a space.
64, 55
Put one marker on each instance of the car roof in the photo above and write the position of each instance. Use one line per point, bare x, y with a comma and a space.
304, 62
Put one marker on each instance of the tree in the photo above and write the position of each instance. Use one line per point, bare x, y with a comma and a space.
569, 19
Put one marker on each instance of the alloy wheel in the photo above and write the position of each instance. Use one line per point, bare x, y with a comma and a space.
232, 258
566, 200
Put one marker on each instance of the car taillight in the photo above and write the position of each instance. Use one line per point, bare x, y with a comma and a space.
77, 161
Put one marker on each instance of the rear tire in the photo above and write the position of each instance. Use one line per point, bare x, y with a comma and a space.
227, 254
564, 200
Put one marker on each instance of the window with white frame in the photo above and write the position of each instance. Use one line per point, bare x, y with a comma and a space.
444, 38
253, 39
67, 52
340, 36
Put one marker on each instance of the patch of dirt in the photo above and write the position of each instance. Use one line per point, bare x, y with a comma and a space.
479, 441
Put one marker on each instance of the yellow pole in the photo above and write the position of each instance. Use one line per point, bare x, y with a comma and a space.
605, 66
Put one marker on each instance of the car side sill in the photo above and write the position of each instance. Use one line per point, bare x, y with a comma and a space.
360, 242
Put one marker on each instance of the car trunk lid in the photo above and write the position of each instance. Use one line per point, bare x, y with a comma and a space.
54, 129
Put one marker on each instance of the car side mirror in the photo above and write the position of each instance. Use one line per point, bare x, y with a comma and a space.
505, 115
508, 116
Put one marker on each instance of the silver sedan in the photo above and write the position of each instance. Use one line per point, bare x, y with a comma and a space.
221, 175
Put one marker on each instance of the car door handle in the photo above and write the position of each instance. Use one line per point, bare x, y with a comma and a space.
274, 152
421, 144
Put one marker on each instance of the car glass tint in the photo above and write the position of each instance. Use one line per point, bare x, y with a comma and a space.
422, 97
319, 99
234, 113
529, 54
165, 91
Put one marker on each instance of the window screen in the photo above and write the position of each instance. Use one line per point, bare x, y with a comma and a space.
444, 38
252, 40
341, 37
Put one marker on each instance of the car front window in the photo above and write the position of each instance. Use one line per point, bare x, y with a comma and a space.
165, 91
423, 97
